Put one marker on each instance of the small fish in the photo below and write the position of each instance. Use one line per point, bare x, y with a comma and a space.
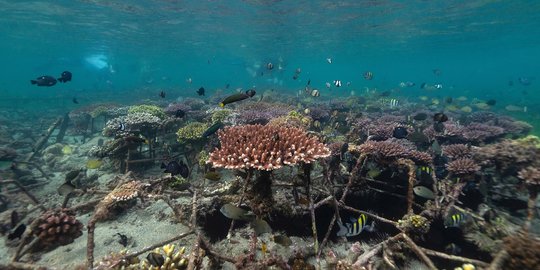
236, 213
65, 77
424, 192
425, 169
66, 188
251, 92
514, 108
328, 85
189, 80
491, 102
269, 66
355, 227
213, 176
44, 81
406, 84
454, 220
448, 100
436, 148
420, 116
227, 86
162, 94
329, 60
200, 91
437, 72
524, 81
234, 98
438, 126
386, 93
176, 168
74, 100
368, 75
123, 239
374, 172
342, 150
264, 248
155, 259
14, 218
315, 93
337, 83
212, 129
453, 249
400, 133
17, 233
440, 117
260, 227
467, 109
67, 150
121, 127
282, 240
93, 164
179, 113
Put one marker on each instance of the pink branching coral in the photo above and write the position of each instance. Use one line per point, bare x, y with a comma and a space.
481, 132
265, 147
462, 166
455, 151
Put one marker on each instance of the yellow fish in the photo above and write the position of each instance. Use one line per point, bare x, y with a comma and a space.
67, 150
435, 101
452, 108
482, 106
462, 98
93, 163
423, 98
466, 109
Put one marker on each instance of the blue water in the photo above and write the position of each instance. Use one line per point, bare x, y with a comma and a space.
479, 46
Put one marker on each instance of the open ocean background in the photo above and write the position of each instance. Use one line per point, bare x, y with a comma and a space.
122, 51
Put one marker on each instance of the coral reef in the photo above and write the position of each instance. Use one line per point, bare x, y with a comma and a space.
455, 151
172, 108
149, 109
265, 147
57, 228
507, 156
293, 119
7, 154
523, 251
137, 122
462, 167
191, 132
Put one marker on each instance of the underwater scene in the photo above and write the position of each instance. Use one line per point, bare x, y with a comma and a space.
270, 134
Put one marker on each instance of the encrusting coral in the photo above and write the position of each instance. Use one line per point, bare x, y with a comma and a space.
191, 132
265, 147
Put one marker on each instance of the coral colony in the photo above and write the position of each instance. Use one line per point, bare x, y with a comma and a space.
263, 184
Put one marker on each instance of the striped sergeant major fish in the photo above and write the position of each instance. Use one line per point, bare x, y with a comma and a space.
392, 102
355, 227
454, 220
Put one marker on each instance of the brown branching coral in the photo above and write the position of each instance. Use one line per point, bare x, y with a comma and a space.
455, 151
507, 155
265, 147
524, 252
57, 227
531, 176
462, 167
384, 150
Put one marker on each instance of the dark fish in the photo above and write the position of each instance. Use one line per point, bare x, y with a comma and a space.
344, 148
176, 168
44, 81
422, 86
213, 176
368, 75
179, 114
355, 226
212, 129
17, 233
66, 188
155, 259
234, 98
438, 126
14, 218
227, 86
282, 240
200, 92
400, 133
308, 82
65, 77
440, 117
295, 76
491, 102
123, 239
454, 220
162, 94
420, 116
75, 101
448, 100
70, 176
251, 92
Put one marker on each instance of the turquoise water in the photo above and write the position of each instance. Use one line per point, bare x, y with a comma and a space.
478, 45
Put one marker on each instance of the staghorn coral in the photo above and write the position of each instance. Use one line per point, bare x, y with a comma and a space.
173, 258
462, 167
57, 228
191, 132
265, 147
150, 109
455, 151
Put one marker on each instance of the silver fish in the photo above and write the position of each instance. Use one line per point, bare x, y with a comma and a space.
424, 192
236, 213
261, 227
